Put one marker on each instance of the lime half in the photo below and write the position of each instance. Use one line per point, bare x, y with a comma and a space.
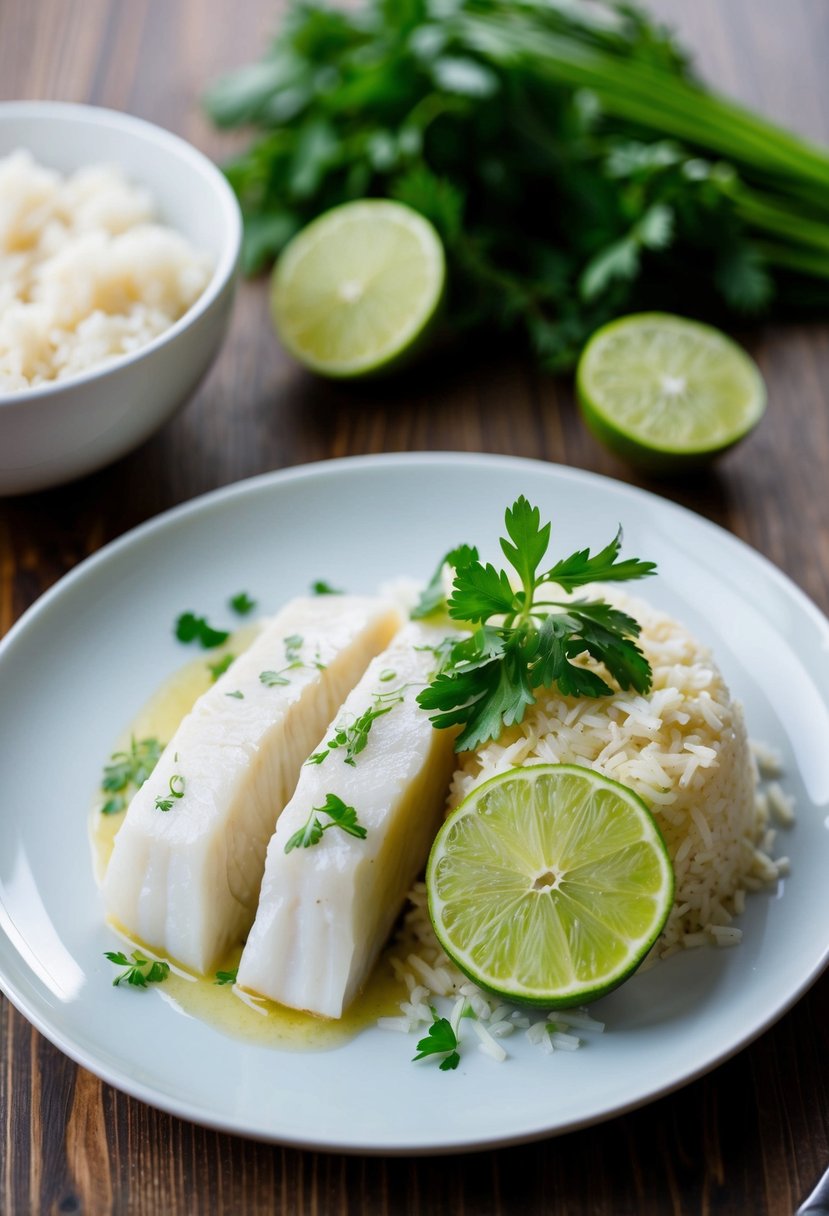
664, 392
356, 290
549, 884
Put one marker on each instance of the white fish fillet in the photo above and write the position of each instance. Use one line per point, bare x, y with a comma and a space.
186, 880
325, 911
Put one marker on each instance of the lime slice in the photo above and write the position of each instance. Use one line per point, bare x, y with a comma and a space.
356, 290
549, 884
664, 392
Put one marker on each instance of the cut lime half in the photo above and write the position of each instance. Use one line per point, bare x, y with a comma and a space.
549, 884
356, 290
665, 393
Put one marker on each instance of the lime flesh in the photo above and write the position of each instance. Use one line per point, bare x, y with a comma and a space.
665, 393
549, 884
356, 290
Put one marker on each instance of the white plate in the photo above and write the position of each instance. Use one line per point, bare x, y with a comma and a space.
84, 659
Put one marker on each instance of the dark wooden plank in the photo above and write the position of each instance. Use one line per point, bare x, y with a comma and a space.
750, 1138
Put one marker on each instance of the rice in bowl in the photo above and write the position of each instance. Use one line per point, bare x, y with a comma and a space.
86, 274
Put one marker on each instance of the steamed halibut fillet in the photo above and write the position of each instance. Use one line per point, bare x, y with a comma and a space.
326, 911
186, 880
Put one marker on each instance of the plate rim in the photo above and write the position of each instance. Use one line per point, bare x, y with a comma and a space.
216, 498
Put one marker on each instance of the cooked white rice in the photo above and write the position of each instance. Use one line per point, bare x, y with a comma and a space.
683, 749
86, 275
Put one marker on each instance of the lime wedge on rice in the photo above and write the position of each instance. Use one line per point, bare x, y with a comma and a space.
357, 289
549, 884
666, 393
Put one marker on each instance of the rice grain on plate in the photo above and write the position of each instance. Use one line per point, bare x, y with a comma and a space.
683, 748
86, 275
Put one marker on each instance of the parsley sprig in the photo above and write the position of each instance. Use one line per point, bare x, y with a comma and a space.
192, 628
339, 816
138, 971
127, 771
441, 1040
522, 641
242, 603
293, 661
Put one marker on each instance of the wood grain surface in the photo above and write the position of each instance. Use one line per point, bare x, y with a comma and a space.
749, 1139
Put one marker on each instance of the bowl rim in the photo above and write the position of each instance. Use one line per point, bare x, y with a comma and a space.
226, 264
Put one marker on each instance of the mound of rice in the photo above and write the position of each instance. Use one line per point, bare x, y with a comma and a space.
85, 275
683, 748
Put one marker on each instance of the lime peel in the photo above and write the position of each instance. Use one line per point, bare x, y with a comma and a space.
549, 885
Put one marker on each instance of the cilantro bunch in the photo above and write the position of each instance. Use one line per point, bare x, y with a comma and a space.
522, 640
574, 167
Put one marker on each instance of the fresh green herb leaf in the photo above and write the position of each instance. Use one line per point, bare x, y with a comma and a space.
339, 816
320, 587
127, 771
242, 604
272, 679
226, 977
386, 675
441, 1040
353, 736
631, 184
433, 597
192, 628
175, 790
293, 645
487, 680
220, 666
239, 696
140, 971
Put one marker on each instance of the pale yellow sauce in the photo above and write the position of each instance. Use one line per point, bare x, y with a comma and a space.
201, 997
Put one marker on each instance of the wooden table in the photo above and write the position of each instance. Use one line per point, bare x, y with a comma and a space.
751, 1138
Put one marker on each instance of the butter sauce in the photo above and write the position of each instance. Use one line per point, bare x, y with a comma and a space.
222, 1006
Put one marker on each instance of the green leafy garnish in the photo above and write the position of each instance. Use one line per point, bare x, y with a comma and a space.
226, 977
339, 816
127, 771
175, 790
192, 628
523, 641
242, 604
139, 971
272, 679
580, 126
440, 1041
353, 736
433, 598
239, 696
220, 666
320, 587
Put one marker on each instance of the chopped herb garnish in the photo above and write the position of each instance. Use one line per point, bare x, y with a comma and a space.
339, 815
240, 696
293, 645
226, 977
127, 772
490, 677
220, 666
272, 678
320, 587
140, 971
354, 736
433, 597
440, 1041
192, 628
242, 603
387, 675
176, 790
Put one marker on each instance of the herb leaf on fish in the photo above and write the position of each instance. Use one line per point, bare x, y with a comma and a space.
339, 816
176, 790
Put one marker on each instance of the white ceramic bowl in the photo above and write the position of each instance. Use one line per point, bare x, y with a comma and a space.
62, 430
